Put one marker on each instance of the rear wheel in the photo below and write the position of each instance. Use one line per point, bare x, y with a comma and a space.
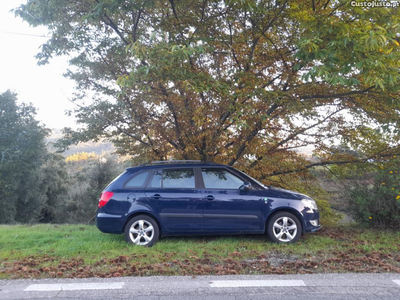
142, 230
284, 227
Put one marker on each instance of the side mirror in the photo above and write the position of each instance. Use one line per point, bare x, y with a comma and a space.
246, 186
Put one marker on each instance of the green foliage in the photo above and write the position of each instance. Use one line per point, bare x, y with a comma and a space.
38, 186
354, 45
374, 197
86, 181
53, 185
22, 156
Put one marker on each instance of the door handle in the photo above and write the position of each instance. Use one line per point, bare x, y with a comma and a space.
210, 198
156, 196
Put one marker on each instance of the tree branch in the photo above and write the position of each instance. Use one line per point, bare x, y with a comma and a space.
110, 122
326, 163
337, 95
243, 146
173, 9
293, 135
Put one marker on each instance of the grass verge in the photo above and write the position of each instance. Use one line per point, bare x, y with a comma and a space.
40, 251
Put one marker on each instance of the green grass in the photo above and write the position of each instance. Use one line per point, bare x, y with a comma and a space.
83, 251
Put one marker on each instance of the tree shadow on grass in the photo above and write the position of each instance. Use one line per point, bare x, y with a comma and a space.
201, 239
216, 238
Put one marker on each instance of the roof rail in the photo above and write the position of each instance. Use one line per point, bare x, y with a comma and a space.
175, 161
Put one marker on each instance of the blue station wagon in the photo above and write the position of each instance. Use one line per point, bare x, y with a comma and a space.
167, 198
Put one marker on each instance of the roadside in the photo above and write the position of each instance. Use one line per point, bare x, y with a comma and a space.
321, 286
80, 251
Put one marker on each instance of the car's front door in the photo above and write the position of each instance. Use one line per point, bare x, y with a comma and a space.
173, 195
227, 206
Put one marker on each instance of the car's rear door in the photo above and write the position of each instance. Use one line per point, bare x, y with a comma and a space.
175, 198
228, 207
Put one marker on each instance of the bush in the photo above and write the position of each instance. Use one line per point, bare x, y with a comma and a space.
377, 203
87, 179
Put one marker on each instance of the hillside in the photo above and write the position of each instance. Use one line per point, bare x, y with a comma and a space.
95, 147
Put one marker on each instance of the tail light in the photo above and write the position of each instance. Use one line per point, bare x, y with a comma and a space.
104, 197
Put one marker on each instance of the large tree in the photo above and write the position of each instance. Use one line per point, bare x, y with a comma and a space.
31, 179
243, 82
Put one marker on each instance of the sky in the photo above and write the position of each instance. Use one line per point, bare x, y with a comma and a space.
43, 86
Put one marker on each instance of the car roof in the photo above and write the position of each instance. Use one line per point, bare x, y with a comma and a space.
174, 163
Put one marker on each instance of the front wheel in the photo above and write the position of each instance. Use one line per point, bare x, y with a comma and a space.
284, 227
142, 230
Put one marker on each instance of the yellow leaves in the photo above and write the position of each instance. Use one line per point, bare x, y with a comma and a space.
81, 156
391, 49
388, 51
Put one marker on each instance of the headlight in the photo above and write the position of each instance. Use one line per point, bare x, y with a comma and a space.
311, 204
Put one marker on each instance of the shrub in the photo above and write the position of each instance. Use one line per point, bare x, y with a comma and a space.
87, 178
377, 202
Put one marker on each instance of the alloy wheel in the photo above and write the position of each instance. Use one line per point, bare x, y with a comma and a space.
285, 229
141, 232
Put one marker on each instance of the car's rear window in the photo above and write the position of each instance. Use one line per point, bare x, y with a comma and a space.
137, 180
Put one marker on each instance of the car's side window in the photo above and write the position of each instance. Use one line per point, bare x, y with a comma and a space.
173, 178
137, 181
220, 179
178, 178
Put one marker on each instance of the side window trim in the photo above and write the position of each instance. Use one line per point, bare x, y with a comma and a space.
150, 179
198, 178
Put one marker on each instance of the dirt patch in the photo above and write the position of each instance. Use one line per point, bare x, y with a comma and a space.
274, 259
352, 260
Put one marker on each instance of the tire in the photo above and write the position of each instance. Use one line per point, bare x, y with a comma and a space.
280, 233
142, 230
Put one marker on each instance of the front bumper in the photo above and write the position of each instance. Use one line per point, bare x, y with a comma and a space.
316, 228
312, 222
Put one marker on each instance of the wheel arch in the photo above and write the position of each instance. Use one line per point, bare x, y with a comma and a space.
289, 210
131, 216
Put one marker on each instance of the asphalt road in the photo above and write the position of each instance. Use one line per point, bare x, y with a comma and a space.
254, 287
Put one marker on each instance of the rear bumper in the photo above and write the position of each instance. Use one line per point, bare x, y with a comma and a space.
108, 223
